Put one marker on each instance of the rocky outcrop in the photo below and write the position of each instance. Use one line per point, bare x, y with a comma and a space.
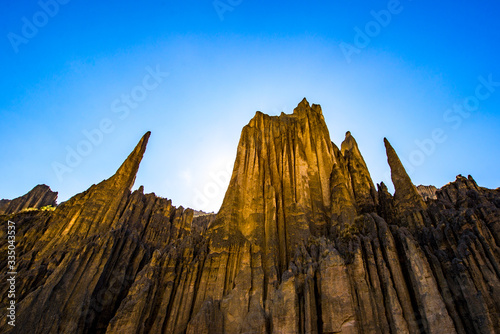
427, 192
303, 243
38, 197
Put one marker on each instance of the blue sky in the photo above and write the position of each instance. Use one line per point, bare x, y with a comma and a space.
423, 74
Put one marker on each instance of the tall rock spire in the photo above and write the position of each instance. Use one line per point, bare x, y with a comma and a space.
406, 196
362, 184
279, 193
125, 175
95, 209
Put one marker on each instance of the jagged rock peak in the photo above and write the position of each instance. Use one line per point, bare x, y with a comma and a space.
125, 175
36, 198
349, 147
362, 184
94, 210
350, 144
427, 192
406, 195
303, 108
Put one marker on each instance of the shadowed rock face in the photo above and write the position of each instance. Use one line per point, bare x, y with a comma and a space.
302, 244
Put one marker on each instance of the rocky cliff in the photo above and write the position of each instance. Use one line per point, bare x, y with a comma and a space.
303, 243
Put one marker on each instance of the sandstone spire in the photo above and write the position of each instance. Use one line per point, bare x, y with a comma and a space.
406, 195
125, 175
95, 209
279, 193
362, 184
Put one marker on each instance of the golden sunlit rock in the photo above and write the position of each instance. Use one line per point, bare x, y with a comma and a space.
303, 243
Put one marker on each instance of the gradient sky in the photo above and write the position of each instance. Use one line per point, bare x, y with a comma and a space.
424, 67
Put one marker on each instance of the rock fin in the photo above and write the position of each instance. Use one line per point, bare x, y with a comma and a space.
406, 195
125, 175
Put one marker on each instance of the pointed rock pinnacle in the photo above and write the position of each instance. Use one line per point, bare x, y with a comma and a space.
362, 184
406, 195
125, 175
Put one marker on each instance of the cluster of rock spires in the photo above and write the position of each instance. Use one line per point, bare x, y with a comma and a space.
303, 243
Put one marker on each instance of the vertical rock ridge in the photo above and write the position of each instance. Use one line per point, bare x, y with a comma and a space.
287, 160
344, 209
362, 184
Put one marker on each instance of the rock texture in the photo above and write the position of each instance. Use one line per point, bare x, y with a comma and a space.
303, 243
427, 192
38, 197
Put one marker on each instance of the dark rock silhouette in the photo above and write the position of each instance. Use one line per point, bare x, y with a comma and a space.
303, 243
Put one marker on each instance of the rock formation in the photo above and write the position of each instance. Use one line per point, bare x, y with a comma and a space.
303, 243
427, 192
39, 197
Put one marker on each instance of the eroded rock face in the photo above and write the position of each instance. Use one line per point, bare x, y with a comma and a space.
37, 198
279, 194
302, 244
427, 192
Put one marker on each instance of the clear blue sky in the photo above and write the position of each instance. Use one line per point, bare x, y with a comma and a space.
427, 65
